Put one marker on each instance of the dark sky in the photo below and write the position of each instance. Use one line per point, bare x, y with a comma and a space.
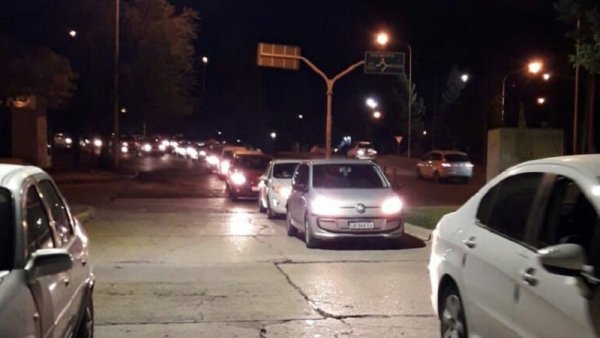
485, 38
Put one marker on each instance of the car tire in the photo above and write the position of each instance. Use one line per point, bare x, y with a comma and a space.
291, 229
452, 314
86, 326
309, 239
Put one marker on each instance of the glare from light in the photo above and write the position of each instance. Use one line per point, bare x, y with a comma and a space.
68, 140
98, 142
446, 165
282, 190
371, 103
166, 143
535, 67
546, 76
464, 78
123, 110
238, 141
300, 116
238, 178
191, 152
377, 115
424, 132
219, 133
273, 135
392, 205
205, 59
147, 147
596, 190
225, 165
360, 152
240, 224
73, 33
212, 160
162, 147
202, 153
124, 149
541, 100
325, 206
383, 38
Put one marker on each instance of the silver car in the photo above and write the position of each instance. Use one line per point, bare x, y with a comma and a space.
275, 187
333, 199
46, 279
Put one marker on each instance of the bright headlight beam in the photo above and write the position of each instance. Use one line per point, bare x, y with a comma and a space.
325, 206
392, 205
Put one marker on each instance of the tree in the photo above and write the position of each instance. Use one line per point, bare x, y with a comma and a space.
35, 71
583, 17
158, 59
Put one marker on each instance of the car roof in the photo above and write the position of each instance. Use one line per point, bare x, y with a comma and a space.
588, 164
250, 152
340, 161
13, 175
288, 160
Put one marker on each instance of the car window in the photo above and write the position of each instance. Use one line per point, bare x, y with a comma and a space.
506, 207
336, 176
252, 162
457, 158
58, 211
284, 170
39, 235
301, 175
436, 157
7, 224
570, 218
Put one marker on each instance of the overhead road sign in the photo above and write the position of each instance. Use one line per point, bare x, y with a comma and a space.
384, 63
278, 56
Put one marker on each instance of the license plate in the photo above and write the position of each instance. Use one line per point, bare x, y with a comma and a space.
361, 225
255, 188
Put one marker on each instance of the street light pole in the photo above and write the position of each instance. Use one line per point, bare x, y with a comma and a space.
409, 97
576, 94
116, 89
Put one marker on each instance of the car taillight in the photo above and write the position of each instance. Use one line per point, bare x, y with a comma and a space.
446, 165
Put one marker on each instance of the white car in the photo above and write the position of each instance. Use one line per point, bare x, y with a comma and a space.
521, 258
276, 186
46, 278
343, 198
362, 150
441, 165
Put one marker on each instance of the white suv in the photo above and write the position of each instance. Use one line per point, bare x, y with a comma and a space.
522, 257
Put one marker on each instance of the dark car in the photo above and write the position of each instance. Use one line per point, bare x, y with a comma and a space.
244, 174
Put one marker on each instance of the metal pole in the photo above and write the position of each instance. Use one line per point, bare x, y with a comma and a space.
329, 84
502, 103
576, 94
409, 98
116, 90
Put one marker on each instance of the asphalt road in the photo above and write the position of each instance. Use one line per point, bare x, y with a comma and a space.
174, 258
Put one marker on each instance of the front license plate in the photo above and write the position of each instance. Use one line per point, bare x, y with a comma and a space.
361, 225
255, 188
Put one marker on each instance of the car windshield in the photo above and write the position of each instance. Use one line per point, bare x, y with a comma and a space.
343, 176
284, 170
6, 235
457, 158
252, 162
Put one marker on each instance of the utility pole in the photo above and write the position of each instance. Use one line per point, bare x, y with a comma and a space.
115, 144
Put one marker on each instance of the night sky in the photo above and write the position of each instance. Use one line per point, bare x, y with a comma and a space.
484, 38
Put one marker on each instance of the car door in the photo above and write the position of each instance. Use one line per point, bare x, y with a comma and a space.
491, 254
297, 200
265, 186
74, 280
550, 304
48, 291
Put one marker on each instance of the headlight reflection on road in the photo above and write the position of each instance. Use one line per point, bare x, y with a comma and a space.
240, 223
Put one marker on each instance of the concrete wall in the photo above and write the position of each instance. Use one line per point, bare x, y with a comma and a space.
509, 146
29, 133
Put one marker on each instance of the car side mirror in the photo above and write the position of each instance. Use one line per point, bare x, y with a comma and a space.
563, 259
46, 262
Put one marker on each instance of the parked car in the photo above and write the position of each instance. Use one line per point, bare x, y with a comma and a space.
343, 198
521, 258
46, 279
441, 165
244, 175
362, 150
275, 187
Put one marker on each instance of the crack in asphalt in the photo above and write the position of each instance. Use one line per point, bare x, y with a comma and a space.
279, 252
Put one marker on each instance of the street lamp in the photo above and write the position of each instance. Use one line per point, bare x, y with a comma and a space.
300, 116
72, 33
273, 135
541, 100
377, 115
123, 110
533, 67
205, 59
371, 103
546, 76
383, 39
464, 78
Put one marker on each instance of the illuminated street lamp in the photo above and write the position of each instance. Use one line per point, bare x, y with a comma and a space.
541, 100
371, 103
383, 38
546, 76
72, 33
533, 67
219, 133
424, 132
273, 135
123, 110
464, 78
376, 115
300, 117
205, 59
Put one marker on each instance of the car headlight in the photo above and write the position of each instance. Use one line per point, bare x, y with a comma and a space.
361, 152
284, 191
147, 147
124, 149
238, 178
225, 167
98, 142
392, 205
162, 147
192, 152
469, 165
202, 153
324, 206
212, 160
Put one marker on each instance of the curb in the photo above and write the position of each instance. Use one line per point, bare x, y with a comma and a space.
84, 214
417, 231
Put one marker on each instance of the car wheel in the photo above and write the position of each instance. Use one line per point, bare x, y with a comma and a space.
86, 327
310, 241
291, 229
452, 314
261, 207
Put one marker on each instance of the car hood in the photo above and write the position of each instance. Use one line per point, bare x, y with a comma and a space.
351, 197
